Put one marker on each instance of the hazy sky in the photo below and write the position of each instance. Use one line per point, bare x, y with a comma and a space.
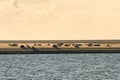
59, 19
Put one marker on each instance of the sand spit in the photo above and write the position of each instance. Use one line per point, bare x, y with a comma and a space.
60, 46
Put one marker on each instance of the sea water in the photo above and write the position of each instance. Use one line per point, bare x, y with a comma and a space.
80, 66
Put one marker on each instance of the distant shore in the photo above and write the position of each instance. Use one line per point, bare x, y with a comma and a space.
60, 46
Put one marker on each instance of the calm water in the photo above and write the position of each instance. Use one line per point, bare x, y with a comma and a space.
103, 66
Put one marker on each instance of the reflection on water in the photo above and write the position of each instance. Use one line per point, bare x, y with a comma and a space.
103, 66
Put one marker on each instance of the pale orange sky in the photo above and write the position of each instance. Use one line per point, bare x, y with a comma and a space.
59, 19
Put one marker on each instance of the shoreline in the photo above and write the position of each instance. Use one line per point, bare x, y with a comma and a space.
59, 46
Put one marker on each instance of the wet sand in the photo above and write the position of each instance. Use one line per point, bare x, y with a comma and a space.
60, 46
